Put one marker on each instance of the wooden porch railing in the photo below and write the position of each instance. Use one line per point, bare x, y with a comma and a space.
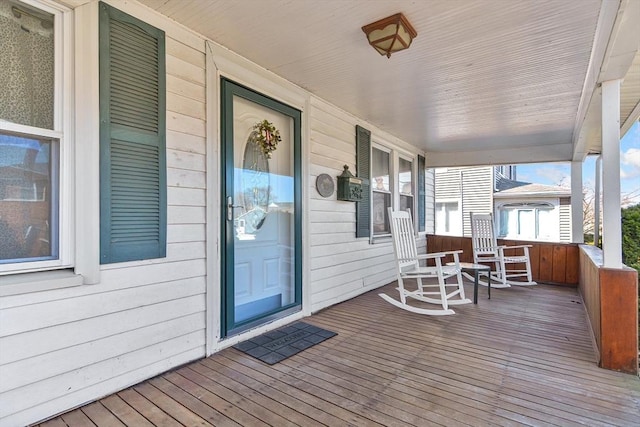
610, 297
555, 263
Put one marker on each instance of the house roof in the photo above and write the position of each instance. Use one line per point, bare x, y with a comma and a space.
510, 188
484, 82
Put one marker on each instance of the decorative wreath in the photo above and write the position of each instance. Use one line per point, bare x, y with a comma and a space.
268, 137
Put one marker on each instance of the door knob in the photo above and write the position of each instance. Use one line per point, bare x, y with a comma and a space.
230, 207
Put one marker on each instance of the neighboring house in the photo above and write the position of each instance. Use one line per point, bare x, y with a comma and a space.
522, 211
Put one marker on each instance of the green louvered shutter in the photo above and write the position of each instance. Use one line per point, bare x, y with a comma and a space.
421, 193
133, 190
363, 170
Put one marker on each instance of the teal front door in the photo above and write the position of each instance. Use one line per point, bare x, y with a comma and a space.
261, 212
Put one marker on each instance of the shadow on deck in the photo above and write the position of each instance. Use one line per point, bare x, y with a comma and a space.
523, 357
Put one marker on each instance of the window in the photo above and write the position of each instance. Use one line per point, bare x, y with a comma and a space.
382, 195
508, 172
448, 218
527, 221
33, 117
405, 180
28, 177
389, 180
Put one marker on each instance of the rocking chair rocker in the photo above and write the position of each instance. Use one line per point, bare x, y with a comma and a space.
486, 250
408, 267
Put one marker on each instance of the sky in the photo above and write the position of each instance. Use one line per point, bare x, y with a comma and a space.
560, 173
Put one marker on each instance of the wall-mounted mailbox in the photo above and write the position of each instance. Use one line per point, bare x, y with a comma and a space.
349, 186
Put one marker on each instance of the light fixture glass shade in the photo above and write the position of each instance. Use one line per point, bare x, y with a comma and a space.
390, 34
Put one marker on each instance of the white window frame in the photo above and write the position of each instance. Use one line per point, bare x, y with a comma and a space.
536, 207
62, 131
394, 183
458, 202
414, 179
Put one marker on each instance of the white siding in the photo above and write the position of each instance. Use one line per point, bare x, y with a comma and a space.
341, 266
472, 186
565, 219
430, 194
477, 194
448, 184
64, 347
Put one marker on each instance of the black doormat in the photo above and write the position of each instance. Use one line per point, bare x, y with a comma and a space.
275, 346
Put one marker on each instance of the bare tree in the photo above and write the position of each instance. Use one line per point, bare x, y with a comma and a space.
588, 210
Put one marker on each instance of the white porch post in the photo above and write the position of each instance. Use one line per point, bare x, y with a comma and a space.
577, 214
611, 216
596, 202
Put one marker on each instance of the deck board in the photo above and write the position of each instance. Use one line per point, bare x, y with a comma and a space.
101, 416
524, 357
147, 409
124, 412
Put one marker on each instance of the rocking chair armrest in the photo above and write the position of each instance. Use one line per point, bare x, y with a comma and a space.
505, 247
492, 248
438, 254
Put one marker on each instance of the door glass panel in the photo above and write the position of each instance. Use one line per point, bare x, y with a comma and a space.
263, 214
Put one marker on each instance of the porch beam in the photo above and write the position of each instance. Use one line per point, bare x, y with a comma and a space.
611, 226
608, 22
631, 119
577, 214
553, 152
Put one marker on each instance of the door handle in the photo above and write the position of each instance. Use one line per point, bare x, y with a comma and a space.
230, 207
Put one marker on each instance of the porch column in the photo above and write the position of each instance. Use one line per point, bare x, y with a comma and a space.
577, 214
611, 215
596, 202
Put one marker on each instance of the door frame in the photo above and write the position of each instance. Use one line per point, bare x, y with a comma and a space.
229, 89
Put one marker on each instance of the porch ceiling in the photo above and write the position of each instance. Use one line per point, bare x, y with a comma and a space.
483, 82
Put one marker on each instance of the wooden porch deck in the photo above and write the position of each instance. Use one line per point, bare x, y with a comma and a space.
522, 358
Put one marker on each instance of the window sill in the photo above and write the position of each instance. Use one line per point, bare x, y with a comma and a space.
381, 239
39, 281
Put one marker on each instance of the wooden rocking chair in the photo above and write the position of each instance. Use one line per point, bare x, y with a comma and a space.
486, 250
408, 267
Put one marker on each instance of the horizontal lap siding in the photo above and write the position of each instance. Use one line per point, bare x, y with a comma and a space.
472, 186
477, 194
565, 219
341, 266
62, 348
447, 184
430, 221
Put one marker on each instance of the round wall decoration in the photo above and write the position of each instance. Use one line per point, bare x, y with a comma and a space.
325, 185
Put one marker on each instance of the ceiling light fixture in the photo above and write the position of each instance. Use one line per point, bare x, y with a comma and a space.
390, 35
